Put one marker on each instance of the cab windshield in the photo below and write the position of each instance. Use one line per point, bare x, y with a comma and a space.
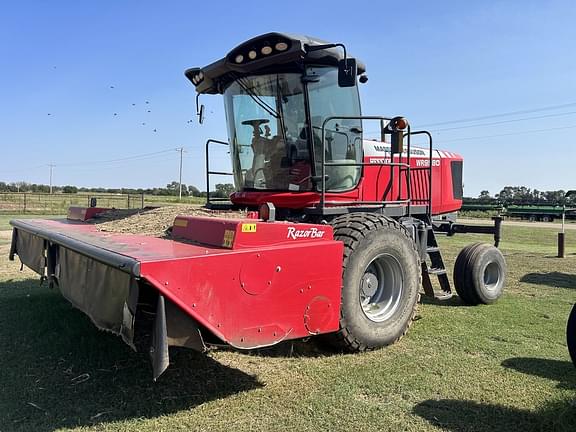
269, 132
267, 129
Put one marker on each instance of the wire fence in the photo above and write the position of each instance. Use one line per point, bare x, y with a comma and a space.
44, 203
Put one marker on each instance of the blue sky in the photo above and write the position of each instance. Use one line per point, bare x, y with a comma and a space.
66, 67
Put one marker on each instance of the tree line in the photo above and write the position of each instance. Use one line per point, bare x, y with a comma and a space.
523, 195
508, 195
221, 190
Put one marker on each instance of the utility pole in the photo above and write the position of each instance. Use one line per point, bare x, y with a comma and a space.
181, 150
51, 167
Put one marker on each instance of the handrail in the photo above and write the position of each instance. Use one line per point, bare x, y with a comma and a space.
429, 168
401, 165
208, 172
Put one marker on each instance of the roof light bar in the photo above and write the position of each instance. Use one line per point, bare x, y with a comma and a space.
281, 46
257, 51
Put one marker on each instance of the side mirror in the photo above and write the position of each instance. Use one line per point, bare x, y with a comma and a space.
199, 109
200, 114
347, 72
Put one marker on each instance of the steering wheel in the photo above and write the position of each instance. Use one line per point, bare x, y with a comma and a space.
255, 123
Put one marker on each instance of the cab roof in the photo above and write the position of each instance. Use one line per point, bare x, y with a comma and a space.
285, 52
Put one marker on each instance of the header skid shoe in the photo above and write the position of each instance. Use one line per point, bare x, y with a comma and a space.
248, 283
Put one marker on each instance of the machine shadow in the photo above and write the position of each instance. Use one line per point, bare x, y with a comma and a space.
553, 279
557, 370
313, 348
454, 301
296, 348
59, 371
470, 416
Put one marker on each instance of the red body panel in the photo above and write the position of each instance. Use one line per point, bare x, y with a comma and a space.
253, 288
376, 184
84, 213
247, 233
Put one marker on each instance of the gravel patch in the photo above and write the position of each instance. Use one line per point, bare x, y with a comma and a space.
154, 222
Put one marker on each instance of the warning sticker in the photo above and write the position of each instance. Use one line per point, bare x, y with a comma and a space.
249, 227
228, 238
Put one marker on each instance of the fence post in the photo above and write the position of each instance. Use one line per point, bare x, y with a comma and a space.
128, 200
24, 203
561, 245
142, 203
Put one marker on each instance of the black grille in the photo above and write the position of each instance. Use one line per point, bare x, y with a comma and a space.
457, 191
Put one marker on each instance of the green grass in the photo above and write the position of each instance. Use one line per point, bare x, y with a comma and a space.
5, 220
502, 367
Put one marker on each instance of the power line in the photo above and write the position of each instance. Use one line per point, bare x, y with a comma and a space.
133, 157
491, 123
509, 134
504, 121
116, 165
162, 156
156, 156
37, 167
504, 114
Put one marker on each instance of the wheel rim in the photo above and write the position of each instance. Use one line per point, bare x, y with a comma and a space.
492, 275
381, 288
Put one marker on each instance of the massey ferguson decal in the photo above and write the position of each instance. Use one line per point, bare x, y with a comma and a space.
311, 233
419, 162
379, 152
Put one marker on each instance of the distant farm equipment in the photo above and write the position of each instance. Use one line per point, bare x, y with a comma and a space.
530, 212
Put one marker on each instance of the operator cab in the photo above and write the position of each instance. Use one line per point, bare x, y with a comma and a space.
280, 92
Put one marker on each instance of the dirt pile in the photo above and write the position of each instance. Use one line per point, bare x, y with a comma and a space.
153, 222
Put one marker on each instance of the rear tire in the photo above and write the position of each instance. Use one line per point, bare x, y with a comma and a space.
381, 282
571, 334
459, 275
479, 274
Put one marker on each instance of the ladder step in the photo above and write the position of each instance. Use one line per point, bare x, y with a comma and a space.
436, 271
432, 249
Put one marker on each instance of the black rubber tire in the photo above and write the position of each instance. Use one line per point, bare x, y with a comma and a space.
571, 334
459, 274
366, 236
473, 265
